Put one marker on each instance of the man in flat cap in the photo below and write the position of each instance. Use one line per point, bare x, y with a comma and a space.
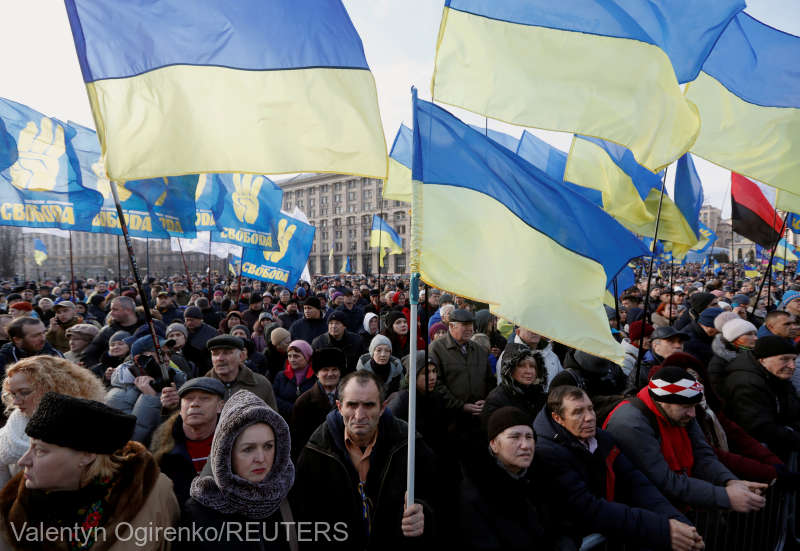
228, 355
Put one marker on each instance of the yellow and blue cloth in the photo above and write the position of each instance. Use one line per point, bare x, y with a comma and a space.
383, 236
39, 251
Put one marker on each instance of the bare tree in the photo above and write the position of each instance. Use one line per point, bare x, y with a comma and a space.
9, 251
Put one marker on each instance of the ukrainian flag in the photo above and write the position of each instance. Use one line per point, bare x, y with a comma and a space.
39, 252
608, 69
384, 237
751, 271
749, 99
203, 86
346, 268
235, 264
397, 185
542, 237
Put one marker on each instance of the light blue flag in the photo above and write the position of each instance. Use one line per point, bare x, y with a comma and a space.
157, 208
249, 212
284, 266
40, 185
509, 142
717, 267
625, 279
401, 148
689, 192
793, 222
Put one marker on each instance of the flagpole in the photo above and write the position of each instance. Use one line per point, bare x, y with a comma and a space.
210, 292
72, 295
640, 355
119, 265
185, 267
380, 265
671, 291
769, 270
147, 256
24, 262
616, 302
162, 357
785, 268
241, 263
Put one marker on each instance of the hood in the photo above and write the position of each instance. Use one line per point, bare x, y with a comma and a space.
513, 355
395, 366
546, 428
367, 318
227, 492
482, 318
721, 348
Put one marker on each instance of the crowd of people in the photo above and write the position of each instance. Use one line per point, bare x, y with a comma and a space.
275, 418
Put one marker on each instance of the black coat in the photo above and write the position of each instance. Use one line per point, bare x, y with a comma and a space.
530, 400
10, 354
699, 343
196, 515
576, 481
308, 413
168, 447
307, 329
326, 485
92, 353
433, 419
353, 318
287, 391
350, 343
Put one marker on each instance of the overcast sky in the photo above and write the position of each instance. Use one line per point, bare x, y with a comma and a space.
39, 67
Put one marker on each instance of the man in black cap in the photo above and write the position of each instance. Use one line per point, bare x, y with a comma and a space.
312, 325
123, 318
664, 342
199, 334
339, 337
181, 444
228, 356
254, 309
658, 432
167, 308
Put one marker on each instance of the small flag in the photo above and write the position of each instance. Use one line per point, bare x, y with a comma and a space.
384, 237
39, 251
346, 269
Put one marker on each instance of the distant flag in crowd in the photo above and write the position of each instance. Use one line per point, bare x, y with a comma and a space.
39, 251
234, 263
462, 172
273, 87
397, 186
526, 62
717, 267
384, 237
752, 214
751, 271
707, 238
748, 95
248, 213
346, 267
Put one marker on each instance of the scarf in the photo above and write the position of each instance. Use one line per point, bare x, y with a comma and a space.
676, 447
13, 440
298, 376
382, 371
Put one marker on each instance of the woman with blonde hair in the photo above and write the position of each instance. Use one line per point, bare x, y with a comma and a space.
25, 383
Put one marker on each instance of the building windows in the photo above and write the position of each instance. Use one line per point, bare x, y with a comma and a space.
324, 234
311, 213
311, 201
351, 184
351, 195
338, 234
299, 203
401, 229
366, 244
337, 186
337, 198
367, 194
352, 208
366, 206
352, 234
367, 232
400, 264
338, 209
353, 246
338, 247
337, 222
323, 200
351, 220
323, 211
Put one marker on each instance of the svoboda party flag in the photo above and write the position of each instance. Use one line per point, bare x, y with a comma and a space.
249, 211
284, 266
205, 86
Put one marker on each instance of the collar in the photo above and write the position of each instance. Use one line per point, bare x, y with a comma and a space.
352, 446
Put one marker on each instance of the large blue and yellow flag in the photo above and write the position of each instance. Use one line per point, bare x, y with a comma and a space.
541, 236
157, 208
383, 236
284, 266
397, 185
688, 192
249, 212
748, 95
196, 87
40, 183
612, 71
39, 251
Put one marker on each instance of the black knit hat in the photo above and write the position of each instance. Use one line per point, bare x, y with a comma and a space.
505, 417
313, 302
773, 345
338, 315
329, 357
673, 385
83, 425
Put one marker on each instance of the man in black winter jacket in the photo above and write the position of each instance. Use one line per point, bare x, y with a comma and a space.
123, 318
27, 339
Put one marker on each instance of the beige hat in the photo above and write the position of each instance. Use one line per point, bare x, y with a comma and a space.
278, 335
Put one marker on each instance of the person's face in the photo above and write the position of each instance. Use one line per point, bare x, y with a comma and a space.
101, 288
45, 306
50, 467
329, 376
77, 343
514, 447
118, 349
23, 394
360, 407
680, 414
292, 308
311, 313
679, 299
525, 372
65, 314
200, 408
381, 354
748, 340
119, 313
336, 329
578, 417
781, 366
433, 301
33, 339
793, 308
529, 337
256, 306
227, 361
439, 334
338, 301
296, 359
666, 347
285, 296
283, 346
461, 331
163, 301
349, 301
373, 299
373, 325
192, 323
432, 376
178, 337
27, 295
254, 453
241, 333
400, 326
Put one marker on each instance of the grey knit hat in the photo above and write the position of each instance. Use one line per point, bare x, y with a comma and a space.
378, 340
178, 327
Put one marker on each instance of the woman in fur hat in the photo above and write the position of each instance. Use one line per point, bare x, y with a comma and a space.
246, 480
523, 378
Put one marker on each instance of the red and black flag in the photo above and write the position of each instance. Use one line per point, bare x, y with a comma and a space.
752, 214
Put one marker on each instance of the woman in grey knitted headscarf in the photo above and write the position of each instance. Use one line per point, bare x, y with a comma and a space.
246, 480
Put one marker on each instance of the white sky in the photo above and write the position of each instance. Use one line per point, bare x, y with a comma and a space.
39, 67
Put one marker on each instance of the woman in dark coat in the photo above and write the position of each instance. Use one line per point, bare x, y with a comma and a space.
296, 378
246, 480
397, 332
524, 375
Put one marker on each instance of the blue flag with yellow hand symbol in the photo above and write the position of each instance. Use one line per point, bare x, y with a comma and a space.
40, 184
248, 215
284, 266
208, 199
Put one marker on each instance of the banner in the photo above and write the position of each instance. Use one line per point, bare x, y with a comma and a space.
286, 265
208, 199
248, 212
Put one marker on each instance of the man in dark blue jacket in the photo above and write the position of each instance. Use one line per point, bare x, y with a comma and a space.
595, 487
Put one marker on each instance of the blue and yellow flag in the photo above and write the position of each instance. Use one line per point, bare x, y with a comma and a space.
543, 236
397, 185
234, 263
612, 72
204, 86
250, 211
707, 238
39, 251
751, 271
40, 182
346, 268
158, 207
384, 237
284, 266
688, 192
208, 199
748, 95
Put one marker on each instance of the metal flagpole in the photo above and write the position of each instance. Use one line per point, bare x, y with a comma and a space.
147, 257
616, 302
380, 265
412, 363
671, 291
160, 354
241, 262
119, 265
785, 268
768, 276
72, 294
210, 291
24, 261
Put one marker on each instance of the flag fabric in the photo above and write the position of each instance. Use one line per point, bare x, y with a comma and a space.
717, 267
383, 236
625, 279
793, 222
286, 265
752, 214
157, 207
543, 236
751, 271
202, 244
688, 192
613, 72
509, 142
208, 199
707, 238
748, 95
39, 251
397, 186
249, 212
235, 263
40, 182
784, 252
346, 269
330, 259
250, 86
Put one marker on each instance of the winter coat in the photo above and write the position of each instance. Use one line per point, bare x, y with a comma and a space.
308, 329
57, 336
392, 383
724, 354
141, 499
551, 362
327, 485
354, 317
248, 380
699, 343
13, 445
287, 391
578, 481
274, 533
640, 441
92, 353
462, 378
288, 319
529, 398
433, 419
195, 348
639, 379
766, 407
275, 361
308, 413
10, 354
350, 343
171, 314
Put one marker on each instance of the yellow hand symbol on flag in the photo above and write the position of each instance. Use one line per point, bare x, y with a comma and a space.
245, 196
40, 151
104, 185
284, 237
